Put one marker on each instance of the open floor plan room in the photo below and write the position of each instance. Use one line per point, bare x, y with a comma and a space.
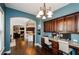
39, 28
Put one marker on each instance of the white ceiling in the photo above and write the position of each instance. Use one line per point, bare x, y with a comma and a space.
33, 8
21, 20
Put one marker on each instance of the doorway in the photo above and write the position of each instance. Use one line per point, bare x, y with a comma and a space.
30, 32
22, 29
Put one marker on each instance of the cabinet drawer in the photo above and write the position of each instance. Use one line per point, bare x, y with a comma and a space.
54, 44
54, 47
78, 51
55, 52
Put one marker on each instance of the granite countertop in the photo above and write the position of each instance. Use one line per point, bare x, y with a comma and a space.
72, 43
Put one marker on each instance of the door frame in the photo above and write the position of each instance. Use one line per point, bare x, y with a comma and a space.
26, 18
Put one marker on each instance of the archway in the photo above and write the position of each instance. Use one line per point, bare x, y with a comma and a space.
19, 24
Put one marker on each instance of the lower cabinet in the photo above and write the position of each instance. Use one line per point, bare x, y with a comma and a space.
55, 48
77, 51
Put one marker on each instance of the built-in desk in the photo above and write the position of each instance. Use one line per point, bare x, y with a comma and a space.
71, 45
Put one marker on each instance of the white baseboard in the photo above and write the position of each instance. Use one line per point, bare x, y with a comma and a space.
9, 51
13, 43
37, 44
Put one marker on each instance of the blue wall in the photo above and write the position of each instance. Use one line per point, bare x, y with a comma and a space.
71, 8
68, 9
15, 13
75, 37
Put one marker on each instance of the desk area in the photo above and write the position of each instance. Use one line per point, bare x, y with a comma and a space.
72, 44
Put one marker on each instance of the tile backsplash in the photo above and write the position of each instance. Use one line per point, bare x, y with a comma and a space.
47, 34
75, 37
69, 36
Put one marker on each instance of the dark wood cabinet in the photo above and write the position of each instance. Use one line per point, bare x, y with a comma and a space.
55, 48
47, 26
77, 22
65, 24
53, 26
70, 23
60, 25
77, 51
50, 26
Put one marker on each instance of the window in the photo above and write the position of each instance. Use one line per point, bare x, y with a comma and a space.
1, 30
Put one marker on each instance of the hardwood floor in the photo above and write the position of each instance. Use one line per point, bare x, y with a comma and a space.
28, 48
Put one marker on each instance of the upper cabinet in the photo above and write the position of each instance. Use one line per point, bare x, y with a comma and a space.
50, 26
53, 25
47, 26
70, 23
60, 25
77, 22
66, 24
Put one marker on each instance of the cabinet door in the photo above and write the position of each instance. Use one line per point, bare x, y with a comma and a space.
77, 22
53, 23
60, 25
47, 26
77, 51
44, 26
70, 23
55, 48
50, 26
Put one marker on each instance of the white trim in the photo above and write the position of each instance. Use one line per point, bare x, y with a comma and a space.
25, 18
1, 51
37, 44
1, 10
9, 51
13, 43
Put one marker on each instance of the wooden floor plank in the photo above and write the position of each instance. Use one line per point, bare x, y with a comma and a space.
28, 48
